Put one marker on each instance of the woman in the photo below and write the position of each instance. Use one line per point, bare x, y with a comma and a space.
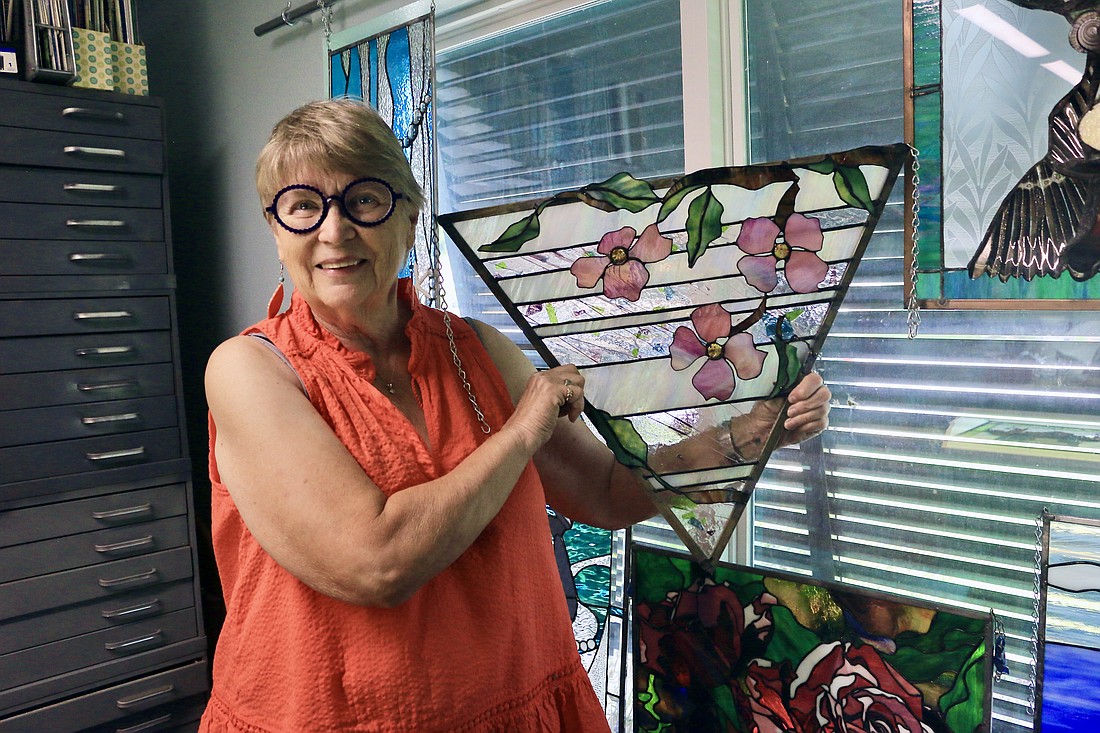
386, 564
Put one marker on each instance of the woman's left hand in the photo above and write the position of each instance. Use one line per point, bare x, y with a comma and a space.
808, 406
807, 410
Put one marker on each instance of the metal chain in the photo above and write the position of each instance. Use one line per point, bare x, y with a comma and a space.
462, 375
326, 21
436, 285
913, 308
1036, 597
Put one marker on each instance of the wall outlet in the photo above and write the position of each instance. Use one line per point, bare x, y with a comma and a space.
8, 64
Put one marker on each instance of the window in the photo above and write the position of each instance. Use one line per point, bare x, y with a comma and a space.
555, 105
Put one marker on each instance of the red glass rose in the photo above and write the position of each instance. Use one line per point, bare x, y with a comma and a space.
841, 688
693, 638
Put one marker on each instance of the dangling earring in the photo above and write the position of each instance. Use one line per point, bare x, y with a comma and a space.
276, 302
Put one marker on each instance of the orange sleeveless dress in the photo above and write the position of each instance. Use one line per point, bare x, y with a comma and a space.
485, 646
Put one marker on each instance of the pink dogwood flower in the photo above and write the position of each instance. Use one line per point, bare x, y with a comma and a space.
621, 263
727, 357
802, 239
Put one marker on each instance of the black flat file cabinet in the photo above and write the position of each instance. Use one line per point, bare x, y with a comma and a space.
100, 624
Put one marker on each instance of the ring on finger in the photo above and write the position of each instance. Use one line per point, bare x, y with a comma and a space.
568, 393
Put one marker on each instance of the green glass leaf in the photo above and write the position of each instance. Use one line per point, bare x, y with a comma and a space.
621, 191
674, 197
727, 708
828, 165
963, 705
650, 699
704, 224
790, 365
791, 641
515, 236
851, 185
659, 575
620, 435
945, 646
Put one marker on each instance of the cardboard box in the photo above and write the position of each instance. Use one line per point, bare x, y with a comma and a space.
105, 64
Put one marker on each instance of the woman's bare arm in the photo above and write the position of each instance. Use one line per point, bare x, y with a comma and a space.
309, 504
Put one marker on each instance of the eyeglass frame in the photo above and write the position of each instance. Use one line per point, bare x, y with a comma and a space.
395, 196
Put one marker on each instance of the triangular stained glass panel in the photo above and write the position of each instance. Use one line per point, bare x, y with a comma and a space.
684, 303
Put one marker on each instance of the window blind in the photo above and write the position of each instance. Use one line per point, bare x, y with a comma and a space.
552, 106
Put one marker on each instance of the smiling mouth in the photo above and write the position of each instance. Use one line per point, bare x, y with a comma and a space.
340, 265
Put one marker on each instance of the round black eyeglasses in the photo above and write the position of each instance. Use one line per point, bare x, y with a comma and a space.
366, 201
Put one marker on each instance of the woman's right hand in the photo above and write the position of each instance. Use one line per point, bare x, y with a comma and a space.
548, 396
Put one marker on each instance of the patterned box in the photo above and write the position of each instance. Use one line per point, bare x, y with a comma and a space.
130, 72
94, 66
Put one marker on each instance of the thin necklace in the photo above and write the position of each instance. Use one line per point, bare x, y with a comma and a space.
389, 382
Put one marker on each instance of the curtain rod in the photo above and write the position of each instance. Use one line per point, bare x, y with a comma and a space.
288, 16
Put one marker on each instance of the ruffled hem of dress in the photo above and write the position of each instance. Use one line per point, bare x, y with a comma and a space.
563, 703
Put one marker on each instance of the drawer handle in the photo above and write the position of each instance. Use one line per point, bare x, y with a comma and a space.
127, 513
121, 646
101, 315
104, 350
92, 114
131, 611
101, 223
101, 419
147, 725
124, 384
98, 257
114, 454
128, 579
143, 697
93, 187
101, 152
126, 545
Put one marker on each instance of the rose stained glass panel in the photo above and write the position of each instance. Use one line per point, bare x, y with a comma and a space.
742, 650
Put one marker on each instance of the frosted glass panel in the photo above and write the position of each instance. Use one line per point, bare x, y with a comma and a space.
997, 93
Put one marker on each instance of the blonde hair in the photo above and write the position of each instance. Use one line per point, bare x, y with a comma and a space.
335, 136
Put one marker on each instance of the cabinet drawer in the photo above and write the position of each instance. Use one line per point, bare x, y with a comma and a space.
49, 110
93, 583
54, 353
50, 660
78, 187
68, 621
58, 554
83, 315
88, 515
82, 386
83, 257
39, 425
61, 458
71, 150
67, 221
153, 693
180, 717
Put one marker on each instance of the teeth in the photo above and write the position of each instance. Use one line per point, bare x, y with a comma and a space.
338, 265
